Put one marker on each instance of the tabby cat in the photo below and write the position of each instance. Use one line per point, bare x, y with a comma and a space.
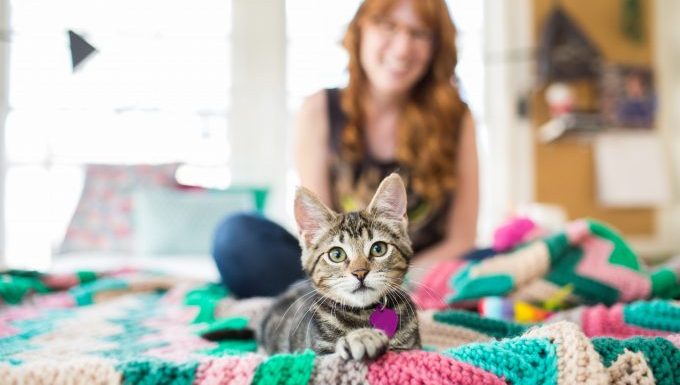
356, 262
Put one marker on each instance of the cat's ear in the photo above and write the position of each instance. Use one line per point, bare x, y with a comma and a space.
389, 201
311, 215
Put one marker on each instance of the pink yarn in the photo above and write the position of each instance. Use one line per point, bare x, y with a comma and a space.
426, 368
171, 329
595, 264
12, 314
577, 230
57, 300
512, 233
431, 292
227, 370
61, 281
600, 321
675, 339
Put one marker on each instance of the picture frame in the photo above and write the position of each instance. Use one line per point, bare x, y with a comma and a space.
628, 96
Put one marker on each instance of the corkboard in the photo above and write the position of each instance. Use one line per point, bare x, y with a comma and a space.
564, 170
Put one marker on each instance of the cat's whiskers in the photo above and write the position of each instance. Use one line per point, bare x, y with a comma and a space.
311, 318
304, 297
389, 296
398, 291
318, 302
431, 293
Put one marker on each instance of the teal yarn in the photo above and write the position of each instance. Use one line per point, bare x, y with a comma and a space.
564, 273
622, 254
129, 342
520, 361
206, 298
665, 283
492, 327
231, 348
658, 315
465, 287
556, 245
27, 330
285, 369
231, 323
15, 286
86, 276
152, 371
84, 294
662, 357
488, 285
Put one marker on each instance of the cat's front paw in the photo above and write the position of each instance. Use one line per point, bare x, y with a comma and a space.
362, 344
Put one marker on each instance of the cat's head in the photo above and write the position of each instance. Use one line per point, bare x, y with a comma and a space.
355, 258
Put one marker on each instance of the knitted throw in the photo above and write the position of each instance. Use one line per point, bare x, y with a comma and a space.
588, 257
131, 327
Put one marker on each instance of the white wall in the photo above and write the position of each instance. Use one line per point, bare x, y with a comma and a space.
508, 179
667, 51
258, 117
4, 88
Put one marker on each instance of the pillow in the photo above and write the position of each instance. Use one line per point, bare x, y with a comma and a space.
102, 220
184, 221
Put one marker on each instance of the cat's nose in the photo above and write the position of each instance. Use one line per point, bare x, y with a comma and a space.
360, 274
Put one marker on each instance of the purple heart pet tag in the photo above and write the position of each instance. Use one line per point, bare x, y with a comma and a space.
385, 319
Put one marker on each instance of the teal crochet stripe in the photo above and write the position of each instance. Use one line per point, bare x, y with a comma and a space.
129, 342
495, 328
206, 298
665, 283
564, 273
231, 323
84, 294
157, 372
29, 329
519, 361
622, 254
232, 348
556, 244
662, 356
659, 315
15, 286
285, 369
229, 347
86, 276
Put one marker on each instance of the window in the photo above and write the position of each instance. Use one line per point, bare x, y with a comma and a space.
155, 91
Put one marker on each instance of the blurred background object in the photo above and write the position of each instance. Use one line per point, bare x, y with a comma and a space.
209, 89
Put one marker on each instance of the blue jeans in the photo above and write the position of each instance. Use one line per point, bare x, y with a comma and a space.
255, 256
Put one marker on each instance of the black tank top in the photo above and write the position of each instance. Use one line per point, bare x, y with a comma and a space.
353, 185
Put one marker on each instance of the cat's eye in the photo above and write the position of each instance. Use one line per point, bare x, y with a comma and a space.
337, 255
378, 249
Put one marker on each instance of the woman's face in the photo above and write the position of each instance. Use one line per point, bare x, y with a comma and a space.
395, 50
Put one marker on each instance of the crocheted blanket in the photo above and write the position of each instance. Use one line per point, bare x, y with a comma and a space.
587, 263
130, 327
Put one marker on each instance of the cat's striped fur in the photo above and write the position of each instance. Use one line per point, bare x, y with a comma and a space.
330, 311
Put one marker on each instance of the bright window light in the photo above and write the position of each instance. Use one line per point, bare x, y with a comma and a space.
156, 90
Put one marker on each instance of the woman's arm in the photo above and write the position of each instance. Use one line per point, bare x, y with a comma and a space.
461, 229
311, 146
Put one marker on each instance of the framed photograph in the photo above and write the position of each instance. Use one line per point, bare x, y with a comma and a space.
628, 96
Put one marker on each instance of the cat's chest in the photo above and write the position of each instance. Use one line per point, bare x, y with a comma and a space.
387, 318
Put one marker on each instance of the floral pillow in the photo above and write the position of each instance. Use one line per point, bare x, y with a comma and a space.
103, 218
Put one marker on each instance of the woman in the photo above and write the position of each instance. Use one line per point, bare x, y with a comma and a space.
400, 112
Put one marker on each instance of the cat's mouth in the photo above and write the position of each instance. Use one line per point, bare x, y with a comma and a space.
362, 288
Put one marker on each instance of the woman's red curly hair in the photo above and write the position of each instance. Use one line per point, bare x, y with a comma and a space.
428, 134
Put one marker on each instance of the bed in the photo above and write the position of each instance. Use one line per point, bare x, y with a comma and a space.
138, 326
